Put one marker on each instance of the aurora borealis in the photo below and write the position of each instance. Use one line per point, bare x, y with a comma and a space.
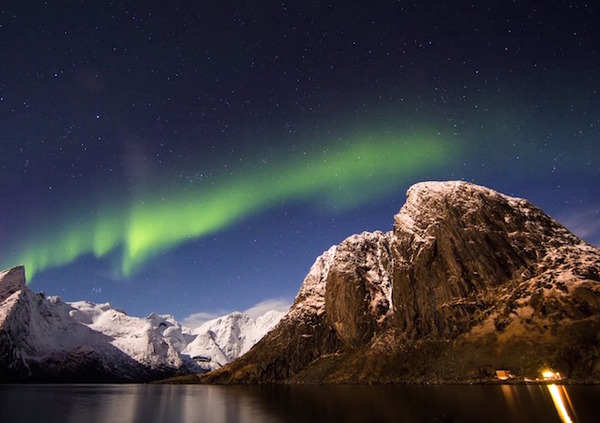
155, 223
188, 157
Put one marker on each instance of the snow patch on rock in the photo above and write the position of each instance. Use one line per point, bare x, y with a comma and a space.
311, 296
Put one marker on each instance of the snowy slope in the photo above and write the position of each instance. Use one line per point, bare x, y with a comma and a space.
46, 338
219, 341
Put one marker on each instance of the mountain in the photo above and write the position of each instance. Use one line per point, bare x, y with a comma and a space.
469, 281
47, 339
224, 339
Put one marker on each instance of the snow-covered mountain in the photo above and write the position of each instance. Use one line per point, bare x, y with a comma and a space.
47, 339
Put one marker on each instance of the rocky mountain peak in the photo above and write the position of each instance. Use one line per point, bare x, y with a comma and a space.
455, 242
13, 280
468, 281
463, 204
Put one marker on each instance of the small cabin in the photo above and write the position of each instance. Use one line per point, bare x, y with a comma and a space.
504, 374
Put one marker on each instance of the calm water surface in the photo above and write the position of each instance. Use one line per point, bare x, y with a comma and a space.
264, 404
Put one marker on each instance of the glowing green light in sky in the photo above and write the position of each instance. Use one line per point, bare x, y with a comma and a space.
153, 222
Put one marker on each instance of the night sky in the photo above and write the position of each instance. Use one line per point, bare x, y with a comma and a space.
196, 157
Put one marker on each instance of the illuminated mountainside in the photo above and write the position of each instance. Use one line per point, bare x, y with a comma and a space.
46, 339
469, 281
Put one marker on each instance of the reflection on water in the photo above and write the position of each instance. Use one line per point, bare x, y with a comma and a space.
558, 393
562, 402
126, 403
265, 404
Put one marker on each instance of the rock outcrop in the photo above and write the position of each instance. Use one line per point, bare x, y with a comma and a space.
469, 281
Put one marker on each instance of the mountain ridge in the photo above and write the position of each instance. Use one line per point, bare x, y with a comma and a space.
43, 339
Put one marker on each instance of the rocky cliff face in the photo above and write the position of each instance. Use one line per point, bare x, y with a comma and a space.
469, 281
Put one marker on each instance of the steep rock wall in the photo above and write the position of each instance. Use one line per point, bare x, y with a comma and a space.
468, 281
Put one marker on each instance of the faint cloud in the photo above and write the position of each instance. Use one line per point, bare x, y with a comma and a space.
196, 319
279, 304
585, 223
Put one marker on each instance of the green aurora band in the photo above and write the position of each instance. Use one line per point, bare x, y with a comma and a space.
154, 222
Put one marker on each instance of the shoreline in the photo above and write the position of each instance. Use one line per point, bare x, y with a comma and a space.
196, 380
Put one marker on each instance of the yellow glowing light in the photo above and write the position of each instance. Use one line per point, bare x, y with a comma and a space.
559, 403
550, 375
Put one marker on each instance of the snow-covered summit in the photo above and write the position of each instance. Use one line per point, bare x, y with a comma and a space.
13, 280
45, 338
426, 202
225, 338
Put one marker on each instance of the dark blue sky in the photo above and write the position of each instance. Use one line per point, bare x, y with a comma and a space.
198, 156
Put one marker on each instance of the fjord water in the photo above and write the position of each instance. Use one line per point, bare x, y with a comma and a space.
264, 404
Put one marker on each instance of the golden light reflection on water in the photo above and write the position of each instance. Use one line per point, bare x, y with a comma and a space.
562, 402
511, 397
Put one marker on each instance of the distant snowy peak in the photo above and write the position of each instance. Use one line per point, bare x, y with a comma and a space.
229, 337
47, 339
268, 321
13, 280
